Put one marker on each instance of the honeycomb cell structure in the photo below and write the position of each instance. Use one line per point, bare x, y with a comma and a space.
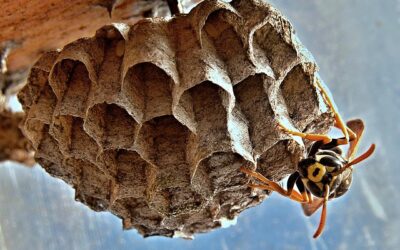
152, 122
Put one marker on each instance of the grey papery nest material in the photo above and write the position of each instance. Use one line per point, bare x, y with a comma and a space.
152, 122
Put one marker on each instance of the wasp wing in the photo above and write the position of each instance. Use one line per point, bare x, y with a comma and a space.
357, 126
310, 208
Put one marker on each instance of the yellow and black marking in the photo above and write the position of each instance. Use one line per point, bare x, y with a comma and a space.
319, 171
325, 173
316, 171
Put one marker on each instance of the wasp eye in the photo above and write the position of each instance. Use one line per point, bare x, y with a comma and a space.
315, 172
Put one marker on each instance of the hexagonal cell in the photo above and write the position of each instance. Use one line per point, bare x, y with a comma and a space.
228, 44
51, 159
148, 89
219, 172
108, 85
73, 84
111, 126
48, 148
197, 57
72, 138
155, 36
281, 55
69, 174
165, 139
300, 96
96, 192
253, 101
162, 141
132, 175
278, 161
82, 145
60, 76
39, 114
175, 200
211, 119
107, 162
34, 131
28, 96
42, 109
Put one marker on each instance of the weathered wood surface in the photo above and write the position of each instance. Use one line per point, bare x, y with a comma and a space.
34, 26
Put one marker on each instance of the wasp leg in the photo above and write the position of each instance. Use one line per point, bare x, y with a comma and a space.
293, 196
313, 204
322, 220
312, 137
302, 189
352, 134
338, 119
349, 134
272, 186
291, 182
310, 197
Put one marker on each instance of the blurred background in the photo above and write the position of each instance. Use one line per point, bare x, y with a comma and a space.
356, 44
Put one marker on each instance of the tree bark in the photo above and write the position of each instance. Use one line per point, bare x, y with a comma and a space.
31, 27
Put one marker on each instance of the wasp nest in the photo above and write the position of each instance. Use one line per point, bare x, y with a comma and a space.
152, 122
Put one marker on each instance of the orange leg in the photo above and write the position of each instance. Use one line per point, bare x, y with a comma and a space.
322, 221
293, 196
273, 186
338, 119
349, 135
352, 135
310, 197
305, 197
312, 137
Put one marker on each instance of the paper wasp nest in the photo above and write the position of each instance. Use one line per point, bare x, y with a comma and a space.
153, 121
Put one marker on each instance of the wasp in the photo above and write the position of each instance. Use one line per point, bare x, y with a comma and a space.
325, 173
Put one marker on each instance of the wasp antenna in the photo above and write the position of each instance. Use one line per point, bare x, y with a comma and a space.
357, 160
322, 221
364, 156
